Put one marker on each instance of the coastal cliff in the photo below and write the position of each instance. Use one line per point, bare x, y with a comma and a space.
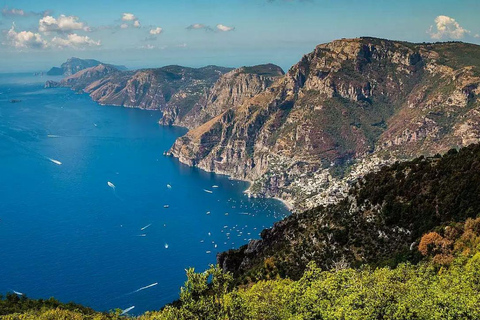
161, 88
229, 91
347, 108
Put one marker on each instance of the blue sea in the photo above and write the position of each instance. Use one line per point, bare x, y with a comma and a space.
64, 232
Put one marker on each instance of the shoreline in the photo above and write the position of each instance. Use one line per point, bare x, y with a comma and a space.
290, 207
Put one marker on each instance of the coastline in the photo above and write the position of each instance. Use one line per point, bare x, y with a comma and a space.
290, 207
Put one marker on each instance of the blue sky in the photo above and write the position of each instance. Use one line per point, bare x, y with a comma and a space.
138, 33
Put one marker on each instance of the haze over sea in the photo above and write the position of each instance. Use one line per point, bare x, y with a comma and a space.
65, 233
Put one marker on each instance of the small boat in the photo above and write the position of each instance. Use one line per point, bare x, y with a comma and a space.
214, 186
208, 212
208, 251
166, 206
55, 161
169, 186
208, 191
15, 100
166, 245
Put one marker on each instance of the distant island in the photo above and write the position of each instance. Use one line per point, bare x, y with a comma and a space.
73, 65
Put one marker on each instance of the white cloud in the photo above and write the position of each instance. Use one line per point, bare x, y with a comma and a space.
62, 24
156, 31
128, 17
129, 20
25, 39
224, 28
447, 28
74, 41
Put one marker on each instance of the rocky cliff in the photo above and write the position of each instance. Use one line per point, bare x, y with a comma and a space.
230, 91
187, 97
161, 88
346, 108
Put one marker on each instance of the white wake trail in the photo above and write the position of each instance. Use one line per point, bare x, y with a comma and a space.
143, 288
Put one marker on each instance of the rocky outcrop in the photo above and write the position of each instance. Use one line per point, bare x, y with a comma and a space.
230, 91
84, 78
74, 65
348, 107
161, 88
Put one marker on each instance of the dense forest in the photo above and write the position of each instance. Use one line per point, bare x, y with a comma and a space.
405, 244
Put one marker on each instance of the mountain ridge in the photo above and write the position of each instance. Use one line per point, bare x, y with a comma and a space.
304, 136
348, 107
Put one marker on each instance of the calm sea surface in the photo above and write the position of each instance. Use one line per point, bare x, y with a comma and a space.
64, 232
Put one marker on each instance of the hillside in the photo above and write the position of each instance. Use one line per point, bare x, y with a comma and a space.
229, 91
380, 222
187, 97
348, 107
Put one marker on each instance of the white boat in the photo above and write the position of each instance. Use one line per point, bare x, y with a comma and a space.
208, 191
55, 161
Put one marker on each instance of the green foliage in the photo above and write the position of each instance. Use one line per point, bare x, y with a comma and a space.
268, 70
14, 307
407, 292
384, 214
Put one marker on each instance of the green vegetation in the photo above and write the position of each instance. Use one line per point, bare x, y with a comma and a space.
385, 215
14, 307
268, 70
433, 289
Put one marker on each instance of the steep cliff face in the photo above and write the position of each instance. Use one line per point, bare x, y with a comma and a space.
147, 89
86, 77
348, 107
230, 91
